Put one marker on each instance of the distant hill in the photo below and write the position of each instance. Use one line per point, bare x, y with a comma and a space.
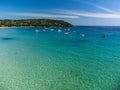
34, 22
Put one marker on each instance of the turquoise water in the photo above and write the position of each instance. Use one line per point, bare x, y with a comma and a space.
52, 60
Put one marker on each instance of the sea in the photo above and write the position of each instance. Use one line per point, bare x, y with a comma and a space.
69, 58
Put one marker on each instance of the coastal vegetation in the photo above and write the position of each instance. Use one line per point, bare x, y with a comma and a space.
34, 22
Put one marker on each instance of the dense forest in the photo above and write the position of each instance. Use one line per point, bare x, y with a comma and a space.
34, 22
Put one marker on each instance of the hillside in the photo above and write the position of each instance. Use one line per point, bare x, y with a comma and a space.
34, 22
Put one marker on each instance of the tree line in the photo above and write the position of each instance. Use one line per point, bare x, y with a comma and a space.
34, 22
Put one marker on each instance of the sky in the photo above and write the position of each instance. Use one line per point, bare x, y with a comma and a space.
77, 12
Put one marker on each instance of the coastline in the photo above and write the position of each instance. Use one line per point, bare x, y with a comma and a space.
7, 27
34, 23
21, 27
30, 27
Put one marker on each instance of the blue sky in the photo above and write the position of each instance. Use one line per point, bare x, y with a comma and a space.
78, 12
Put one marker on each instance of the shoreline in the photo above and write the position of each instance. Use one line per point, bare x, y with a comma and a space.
30, 27
19, 27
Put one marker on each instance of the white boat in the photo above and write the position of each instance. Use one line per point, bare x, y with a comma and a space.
44, 30
74, 31
36, 30
59, 30
66, 33
51, 29
83, 35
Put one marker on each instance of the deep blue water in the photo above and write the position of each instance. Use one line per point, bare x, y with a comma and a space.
76, 58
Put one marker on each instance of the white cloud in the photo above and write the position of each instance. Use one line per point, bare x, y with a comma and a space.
89, 14
108, 10
71, 14
41, 15
101, 7
99, 15
105, 9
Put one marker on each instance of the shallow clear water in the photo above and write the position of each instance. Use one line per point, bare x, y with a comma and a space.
52, 60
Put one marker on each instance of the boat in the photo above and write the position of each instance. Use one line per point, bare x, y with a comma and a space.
36, 30
59, 30
66, 33
83, 35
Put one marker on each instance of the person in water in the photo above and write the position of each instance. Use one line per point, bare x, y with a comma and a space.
103, 36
